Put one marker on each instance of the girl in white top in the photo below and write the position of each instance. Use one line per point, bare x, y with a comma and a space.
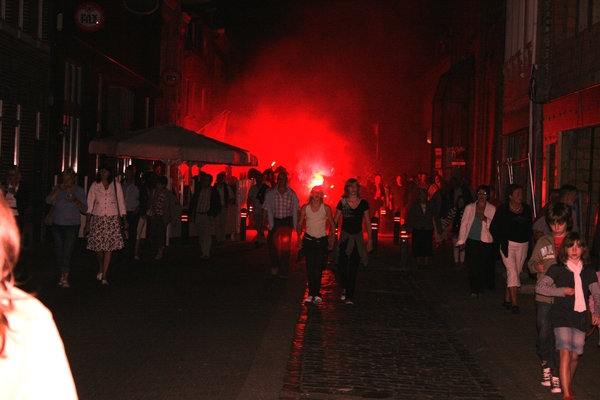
33, 364
315, 241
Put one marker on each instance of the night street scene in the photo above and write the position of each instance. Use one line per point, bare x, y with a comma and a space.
299, 199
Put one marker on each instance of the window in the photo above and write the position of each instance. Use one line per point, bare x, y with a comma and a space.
17, 137
520, 17
588, 14
72, 83
1, 126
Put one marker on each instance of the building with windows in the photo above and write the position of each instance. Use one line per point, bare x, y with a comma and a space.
25, 97
550, 111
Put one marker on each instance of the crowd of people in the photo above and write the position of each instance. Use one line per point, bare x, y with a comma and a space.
482, 229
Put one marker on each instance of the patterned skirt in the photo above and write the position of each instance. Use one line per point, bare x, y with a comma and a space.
105, 233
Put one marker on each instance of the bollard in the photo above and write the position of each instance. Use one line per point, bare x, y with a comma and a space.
397, 228
403, 248
243, 218
185, 227
374, 233
383, 220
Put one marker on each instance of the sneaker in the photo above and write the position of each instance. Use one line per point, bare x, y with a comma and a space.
317, 299
60, 283
555, 388
309, 299
546, 376
349, 302
65, 285
99, 276
104, 282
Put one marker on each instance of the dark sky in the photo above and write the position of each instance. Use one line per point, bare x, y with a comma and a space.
351, 63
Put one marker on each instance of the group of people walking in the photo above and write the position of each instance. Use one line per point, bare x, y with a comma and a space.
117, 216
316, 224
567, 285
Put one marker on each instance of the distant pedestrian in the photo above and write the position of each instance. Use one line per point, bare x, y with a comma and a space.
352, 249
105, 202
162, 204
454, 220
131, 193
476, 240
316, 241
571, 282
17, 195
144, 202
204, 206
420, 222
281, 210
227, 199
558, 218
69, 203
256, 199
512, 230
33, 363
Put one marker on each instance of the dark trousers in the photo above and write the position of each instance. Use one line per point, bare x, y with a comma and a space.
65, 239
477, 255
315, 250
545, 339
490, 275
348, 269
279, 243
133, 220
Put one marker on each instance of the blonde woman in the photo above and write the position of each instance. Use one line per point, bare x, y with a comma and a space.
353, 250
33, 364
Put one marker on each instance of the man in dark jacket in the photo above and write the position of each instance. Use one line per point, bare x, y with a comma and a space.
205, 205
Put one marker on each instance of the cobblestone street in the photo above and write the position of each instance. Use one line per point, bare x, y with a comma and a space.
181, 328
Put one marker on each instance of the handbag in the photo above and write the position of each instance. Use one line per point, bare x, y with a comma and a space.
50, 216
121, 224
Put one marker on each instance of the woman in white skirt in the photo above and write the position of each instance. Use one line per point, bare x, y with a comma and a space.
512, 230
105, 203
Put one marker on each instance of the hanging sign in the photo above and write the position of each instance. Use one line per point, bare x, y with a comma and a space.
89, 17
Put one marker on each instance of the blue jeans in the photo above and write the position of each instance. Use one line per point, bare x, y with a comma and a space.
65, 239
545, 338
315, 250
348, 268
570, 339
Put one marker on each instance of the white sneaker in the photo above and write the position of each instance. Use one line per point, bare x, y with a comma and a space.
317, 299
60, 283
309, 299
104, 282
556, 385
65, 285
99, 276
546, 376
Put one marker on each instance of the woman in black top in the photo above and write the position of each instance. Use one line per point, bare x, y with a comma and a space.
353, 251
512, 230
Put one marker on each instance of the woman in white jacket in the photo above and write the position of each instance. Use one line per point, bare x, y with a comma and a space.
475, 238
105, 205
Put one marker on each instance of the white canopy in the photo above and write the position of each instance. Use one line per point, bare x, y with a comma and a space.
174, 143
